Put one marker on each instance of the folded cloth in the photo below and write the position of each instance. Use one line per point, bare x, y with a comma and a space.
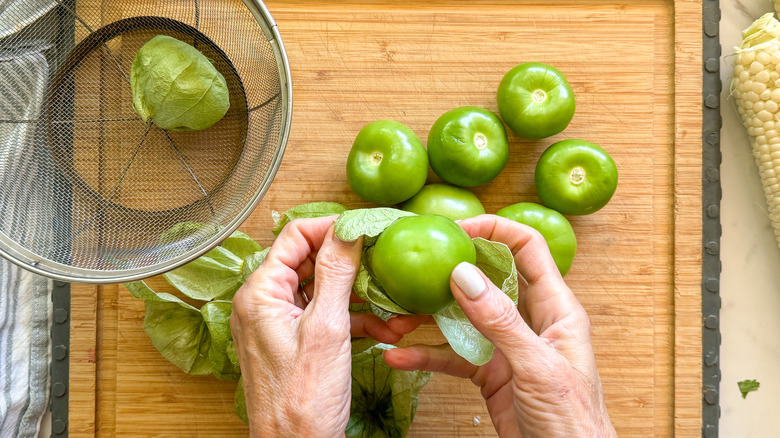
25, 306
25, 315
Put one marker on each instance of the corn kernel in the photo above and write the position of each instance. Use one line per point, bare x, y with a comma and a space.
763, 76
747, 57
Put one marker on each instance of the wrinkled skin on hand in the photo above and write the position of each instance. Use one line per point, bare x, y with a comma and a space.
293, 342
542, 380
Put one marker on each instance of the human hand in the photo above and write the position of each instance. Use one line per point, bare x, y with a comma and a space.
542, 380
293, 342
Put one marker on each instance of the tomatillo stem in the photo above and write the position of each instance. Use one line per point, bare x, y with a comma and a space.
376, 158
577, 176
539, 96
480, 141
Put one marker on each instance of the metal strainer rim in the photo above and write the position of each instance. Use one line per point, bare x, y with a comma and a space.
20, 256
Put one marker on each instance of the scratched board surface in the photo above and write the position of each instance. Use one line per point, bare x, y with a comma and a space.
635, 71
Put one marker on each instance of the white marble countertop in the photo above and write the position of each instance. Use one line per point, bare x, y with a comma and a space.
750, 280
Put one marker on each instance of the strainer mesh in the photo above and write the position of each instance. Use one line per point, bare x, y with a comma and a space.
84, 182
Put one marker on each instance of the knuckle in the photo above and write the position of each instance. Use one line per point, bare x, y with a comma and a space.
582, 321
535, 235
337, 267
506, 319
240, 305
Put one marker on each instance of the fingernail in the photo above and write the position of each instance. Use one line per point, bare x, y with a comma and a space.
469, 280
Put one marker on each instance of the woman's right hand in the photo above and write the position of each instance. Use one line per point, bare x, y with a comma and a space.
542, 380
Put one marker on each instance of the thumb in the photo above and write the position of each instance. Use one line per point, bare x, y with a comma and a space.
492, 312
335, 270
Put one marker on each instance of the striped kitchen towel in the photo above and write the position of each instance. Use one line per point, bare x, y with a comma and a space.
25, 304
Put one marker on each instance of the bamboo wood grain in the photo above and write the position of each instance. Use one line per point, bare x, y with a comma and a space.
635, 68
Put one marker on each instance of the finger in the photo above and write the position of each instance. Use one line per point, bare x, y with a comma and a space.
545, 298
532, 256
301, 299
436, 358
368, 324
493, 313
403, 324
334, 274
277, 276
305, 270
308, 290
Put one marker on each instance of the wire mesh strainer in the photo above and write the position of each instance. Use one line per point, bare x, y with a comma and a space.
91, 193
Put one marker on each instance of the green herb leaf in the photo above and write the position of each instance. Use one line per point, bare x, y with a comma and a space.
384, 400
215, 275
747, 386
314, 209
239, 401
216, 314
496, 261
230, 350
176, 329
241, 245
219, 273
176, 86
369, 291
362, 344
251, 263
462, 336
369, 222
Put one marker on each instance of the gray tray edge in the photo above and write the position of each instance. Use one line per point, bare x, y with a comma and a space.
711, 226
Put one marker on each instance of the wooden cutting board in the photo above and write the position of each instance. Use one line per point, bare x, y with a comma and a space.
635, 68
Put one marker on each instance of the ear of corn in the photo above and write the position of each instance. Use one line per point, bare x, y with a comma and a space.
755, 87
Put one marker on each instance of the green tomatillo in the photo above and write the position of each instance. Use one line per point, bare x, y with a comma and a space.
535, 100
413, 258
553, 226
445, 200
176, 86
468, 146
387, 163
575, 177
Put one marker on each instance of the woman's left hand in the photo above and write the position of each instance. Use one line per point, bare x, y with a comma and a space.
293, 342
